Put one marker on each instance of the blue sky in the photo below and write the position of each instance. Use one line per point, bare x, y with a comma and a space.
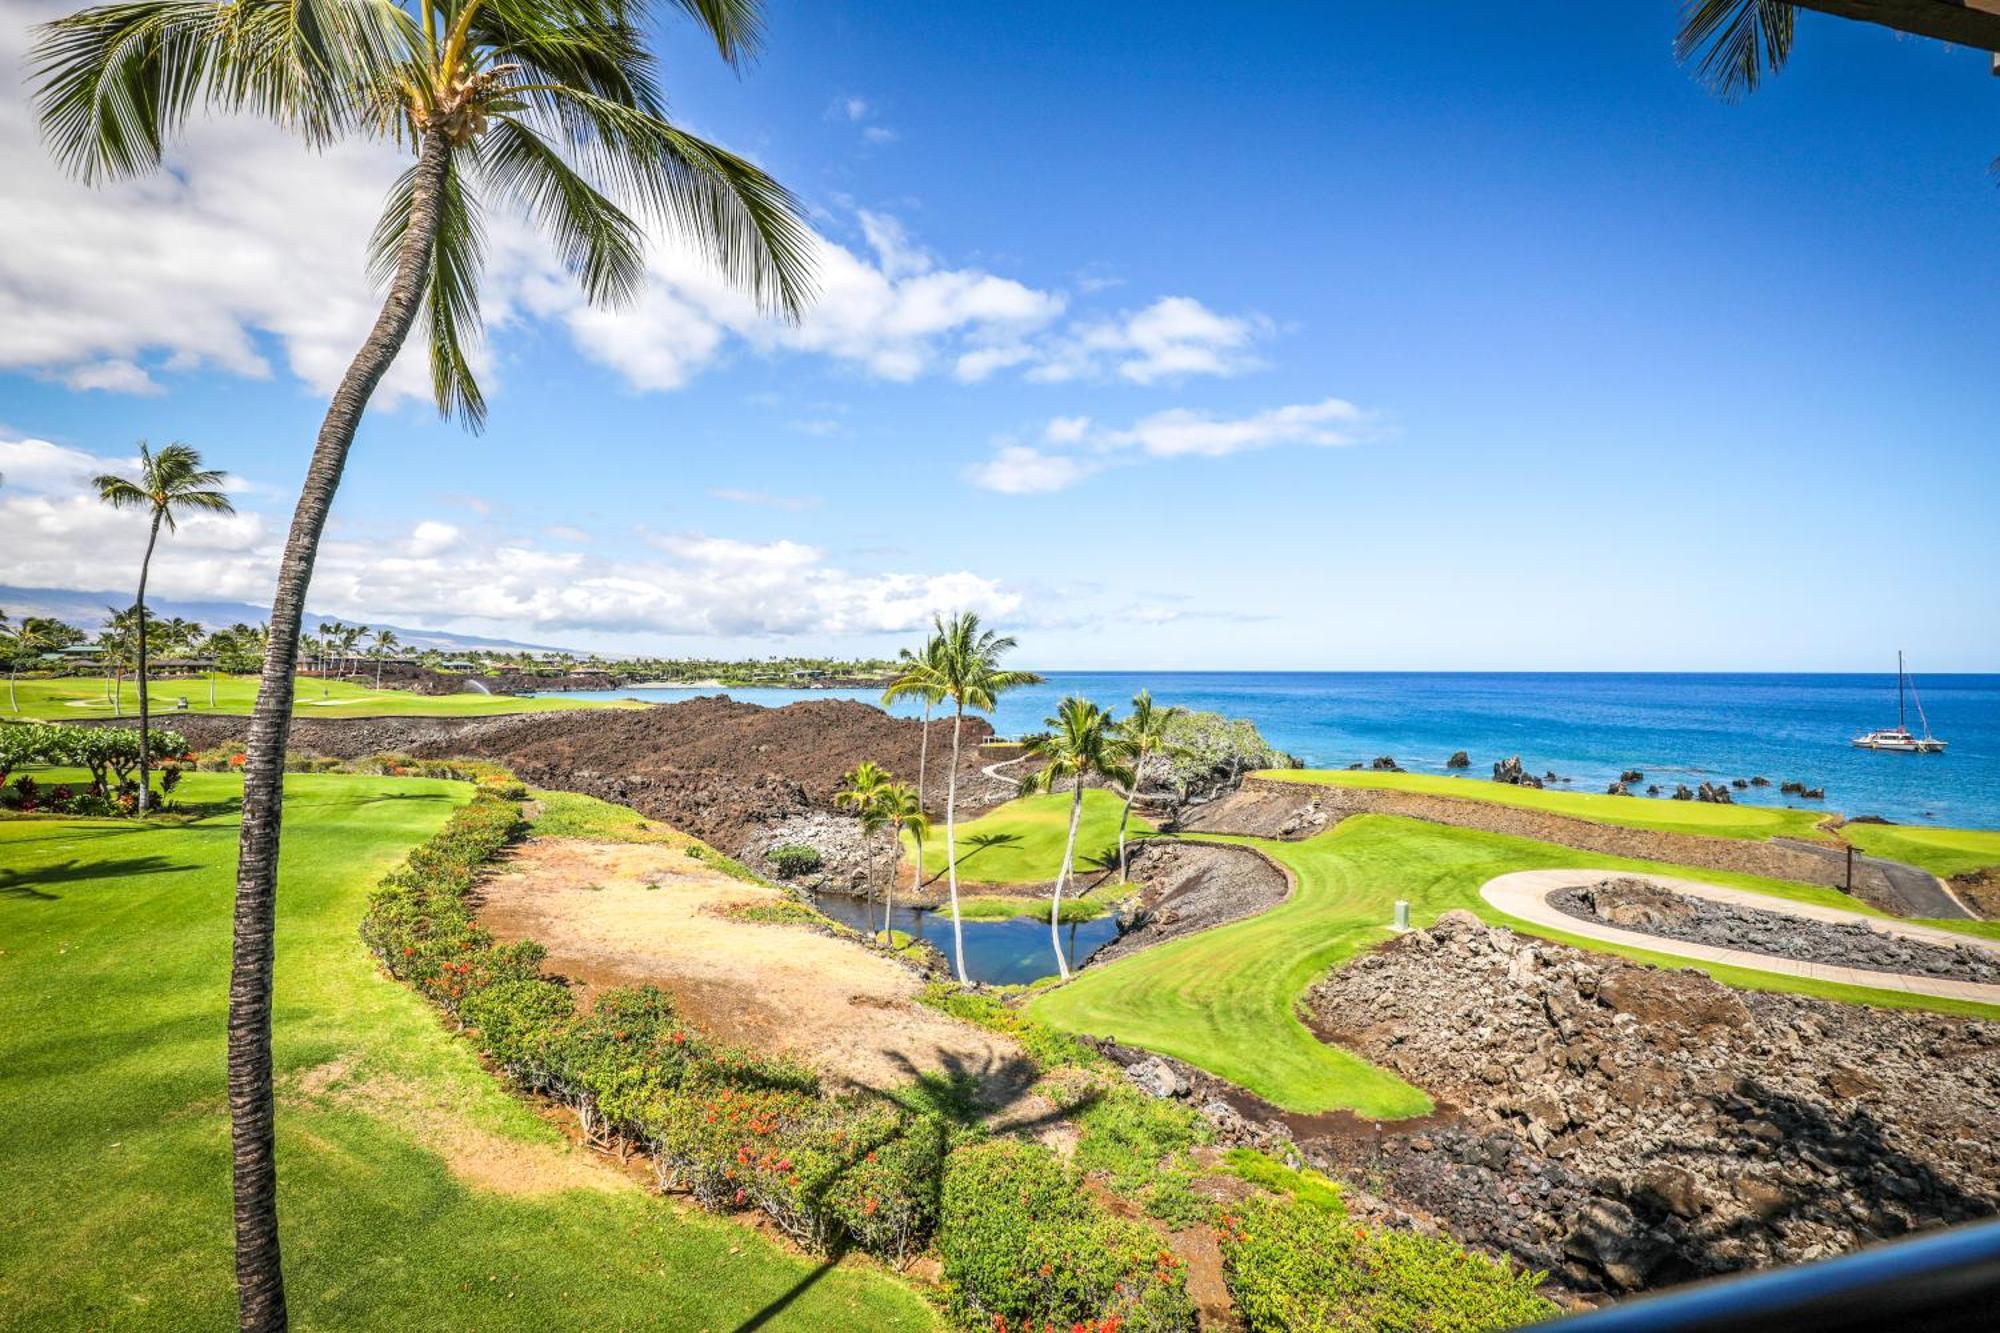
1298, 337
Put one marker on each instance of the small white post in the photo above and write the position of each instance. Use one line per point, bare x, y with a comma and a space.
1402, 914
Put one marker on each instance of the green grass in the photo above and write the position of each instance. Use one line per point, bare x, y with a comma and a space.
1021, 842
1635, 812
73, 698
565, 814
114, 950
991, 908
1942, 851
1226, 999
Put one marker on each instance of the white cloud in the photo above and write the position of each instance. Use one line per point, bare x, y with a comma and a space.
789, 503
1066, 430
849, 108
1016, 469
1175, 337
433, 538
1180, 431
114, 375
878, 134
1081, 449
445, 577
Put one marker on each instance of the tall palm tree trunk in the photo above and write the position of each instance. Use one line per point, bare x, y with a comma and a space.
145, 709
923, 759
259, 1276
951, 846
1062, 878
1125, 818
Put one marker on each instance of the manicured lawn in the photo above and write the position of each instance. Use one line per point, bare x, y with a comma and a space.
1942, 851
114, 949
1226, 999
72, 698
1638, 812
1021, 842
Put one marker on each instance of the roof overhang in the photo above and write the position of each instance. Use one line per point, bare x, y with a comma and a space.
1974, 23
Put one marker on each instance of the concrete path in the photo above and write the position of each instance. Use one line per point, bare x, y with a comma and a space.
1524, 894
1917, 891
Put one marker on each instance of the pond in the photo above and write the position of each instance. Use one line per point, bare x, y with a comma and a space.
1000, 953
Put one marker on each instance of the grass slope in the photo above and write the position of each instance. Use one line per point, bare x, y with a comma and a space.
1226, 999
1021, 842
1942, 851
114, 950
1636, 812
73, 698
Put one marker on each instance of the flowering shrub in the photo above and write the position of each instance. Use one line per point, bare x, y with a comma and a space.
1304, 1269
1024, 1245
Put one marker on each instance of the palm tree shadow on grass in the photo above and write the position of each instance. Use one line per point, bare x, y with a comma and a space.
978, 843
26, 884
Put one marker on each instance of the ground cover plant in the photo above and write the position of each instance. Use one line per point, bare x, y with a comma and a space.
1637, 812
71, 698
1022, 841
116, 946
1225, 999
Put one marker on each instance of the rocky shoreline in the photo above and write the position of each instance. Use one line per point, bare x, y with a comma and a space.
1634, 904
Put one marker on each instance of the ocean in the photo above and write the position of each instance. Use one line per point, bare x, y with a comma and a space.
1584, 726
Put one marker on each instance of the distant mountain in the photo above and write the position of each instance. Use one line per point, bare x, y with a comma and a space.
87, 610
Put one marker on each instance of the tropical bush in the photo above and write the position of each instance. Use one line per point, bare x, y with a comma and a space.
1024, 1245
110, 754
1205, 748
792, 859
1302, 1268
1140, 1144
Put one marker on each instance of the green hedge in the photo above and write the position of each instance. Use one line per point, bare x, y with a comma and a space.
735, 1129
1300, 1268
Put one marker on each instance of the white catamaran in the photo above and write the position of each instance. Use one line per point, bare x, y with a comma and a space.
1898, 737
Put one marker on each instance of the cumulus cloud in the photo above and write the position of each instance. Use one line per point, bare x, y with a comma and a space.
447, 577
1078, 448
1173, 338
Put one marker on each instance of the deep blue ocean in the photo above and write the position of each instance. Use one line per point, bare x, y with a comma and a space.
1585, 726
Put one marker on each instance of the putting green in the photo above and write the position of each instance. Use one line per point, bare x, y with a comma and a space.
1022, 841
1635, 812
1942, 851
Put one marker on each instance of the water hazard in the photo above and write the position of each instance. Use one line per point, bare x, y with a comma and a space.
1000, 953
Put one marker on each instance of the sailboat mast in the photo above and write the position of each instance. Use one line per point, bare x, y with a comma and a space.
1900, 678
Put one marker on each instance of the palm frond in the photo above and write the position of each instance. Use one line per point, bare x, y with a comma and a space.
115, 82
736, 25
118, 492
730, 210
1732, 43
597, 240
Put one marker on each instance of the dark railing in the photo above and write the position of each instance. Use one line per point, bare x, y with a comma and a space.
1939, 1283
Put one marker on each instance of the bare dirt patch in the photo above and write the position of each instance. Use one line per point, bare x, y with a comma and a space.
623, 914
476, 1156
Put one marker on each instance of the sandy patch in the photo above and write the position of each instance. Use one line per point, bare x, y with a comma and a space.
621, 914
477, 1157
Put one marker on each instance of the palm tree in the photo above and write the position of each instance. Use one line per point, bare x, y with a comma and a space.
1081, 744
859, 786
1138, 736
350, 638
913, 679
553, 106
170, 483
385, 639
964, 668
903, 810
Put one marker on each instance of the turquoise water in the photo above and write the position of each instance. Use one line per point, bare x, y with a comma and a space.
1586, 726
